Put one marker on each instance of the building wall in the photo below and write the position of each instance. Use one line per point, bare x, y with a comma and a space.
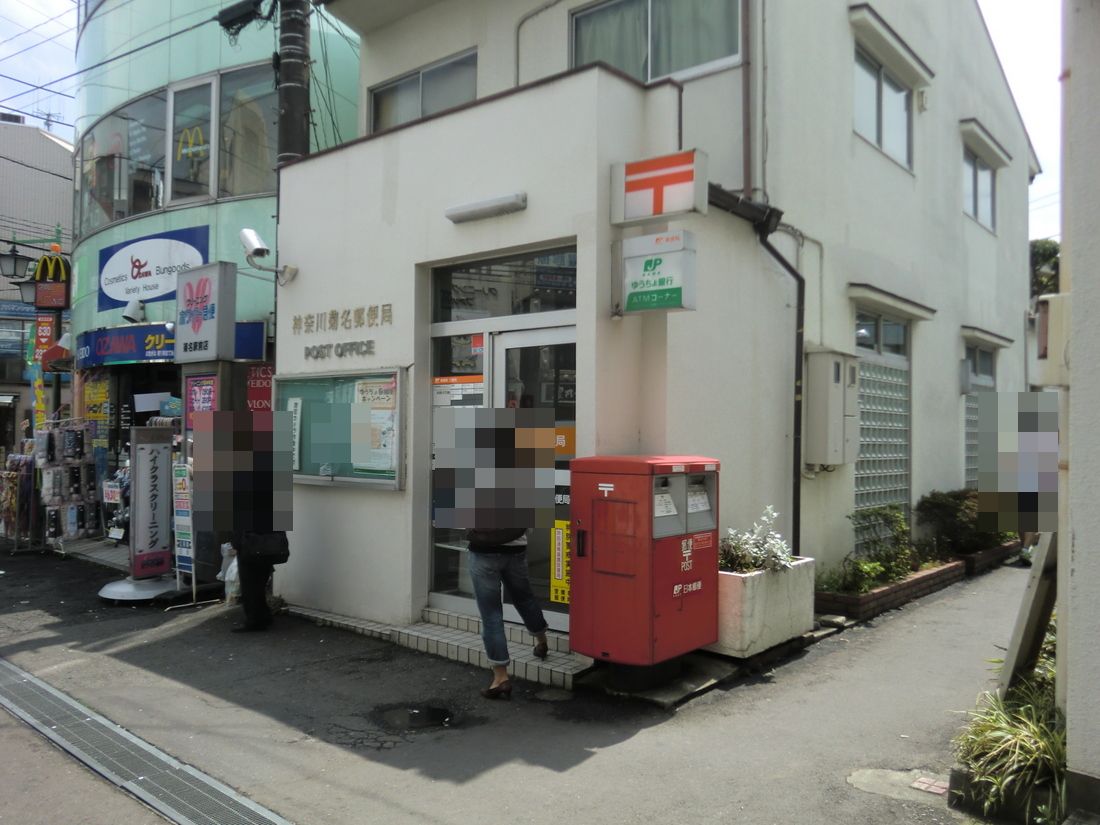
37, 189
1079, 560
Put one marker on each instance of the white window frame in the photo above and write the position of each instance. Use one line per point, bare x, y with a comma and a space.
974, 165
716, 65
214, 80
882, 73
877, 353
419, 74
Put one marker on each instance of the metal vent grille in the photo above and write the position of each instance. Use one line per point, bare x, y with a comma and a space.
176, 790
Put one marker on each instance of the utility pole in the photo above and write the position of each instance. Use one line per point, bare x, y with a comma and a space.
293, 80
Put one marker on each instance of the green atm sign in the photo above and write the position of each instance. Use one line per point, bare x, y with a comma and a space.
659, 272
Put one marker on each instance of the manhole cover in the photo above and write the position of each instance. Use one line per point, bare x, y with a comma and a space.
414, 717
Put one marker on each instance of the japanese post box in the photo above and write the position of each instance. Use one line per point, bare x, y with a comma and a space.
645, 557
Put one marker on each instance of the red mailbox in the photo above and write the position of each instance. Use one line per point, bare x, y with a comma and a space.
644, 571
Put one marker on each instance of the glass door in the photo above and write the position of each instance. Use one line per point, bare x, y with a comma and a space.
526, 368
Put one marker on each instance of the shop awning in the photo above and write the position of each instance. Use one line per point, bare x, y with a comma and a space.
7, 400
57, 359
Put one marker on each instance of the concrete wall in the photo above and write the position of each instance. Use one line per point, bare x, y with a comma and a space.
1079, 582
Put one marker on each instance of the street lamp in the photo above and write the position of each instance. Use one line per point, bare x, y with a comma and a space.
13, 264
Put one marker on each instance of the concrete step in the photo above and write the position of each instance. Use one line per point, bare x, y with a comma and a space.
458, 638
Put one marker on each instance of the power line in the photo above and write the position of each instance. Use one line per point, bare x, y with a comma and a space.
36, 117
33, 87
36, 168
36, 45
36, 26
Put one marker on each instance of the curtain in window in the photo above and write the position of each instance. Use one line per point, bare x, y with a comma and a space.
689, 33
615, 34
396, 104
449, 85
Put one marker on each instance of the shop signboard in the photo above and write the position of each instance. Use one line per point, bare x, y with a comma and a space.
43, 336
181, 509
146, 268
206, 309
201, 396
259, 387
659, 272
657, 188
52, 275
150, 501
27, 312
132, 344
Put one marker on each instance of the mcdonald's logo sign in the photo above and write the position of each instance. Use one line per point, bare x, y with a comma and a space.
52, 269
196, 142
52, 275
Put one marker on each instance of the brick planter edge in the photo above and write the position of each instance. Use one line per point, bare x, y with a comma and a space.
989, 558
863, 606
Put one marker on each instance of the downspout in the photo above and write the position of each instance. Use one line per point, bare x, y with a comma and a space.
533, 13
765, 220
800, 318
746, 104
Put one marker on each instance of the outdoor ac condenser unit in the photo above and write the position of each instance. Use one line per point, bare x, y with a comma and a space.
832, 408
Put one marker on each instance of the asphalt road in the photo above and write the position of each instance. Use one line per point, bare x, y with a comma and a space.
298, 719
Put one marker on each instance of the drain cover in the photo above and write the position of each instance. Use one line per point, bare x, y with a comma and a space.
413, 717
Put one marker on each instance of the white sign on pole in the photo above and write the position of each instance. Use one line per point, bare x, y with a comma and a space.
294, 406
206, 310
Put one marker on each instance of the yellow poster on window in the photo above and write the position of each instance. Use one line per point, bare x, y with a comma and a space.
560, 541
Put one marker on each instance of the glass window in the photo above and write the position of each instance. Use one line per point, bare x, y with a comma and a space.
866, 331
882, 109
984, 195
425, 92
191, 142
893, 336
866, 98
248, 123
969, 183
648, 39
979, 189
541, 282
448, 85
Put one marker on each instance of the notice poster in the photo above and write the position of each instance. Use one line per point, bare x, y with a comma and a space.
458, 391
560, 555
202, 395
294, 407
374, 426
181, 510
96, 409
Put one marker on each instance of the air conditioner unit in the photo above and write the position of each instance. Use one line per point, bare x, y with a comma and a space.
1052, 340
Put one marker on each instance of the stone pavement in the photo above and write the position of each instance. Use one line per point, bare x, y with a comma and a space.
312, 722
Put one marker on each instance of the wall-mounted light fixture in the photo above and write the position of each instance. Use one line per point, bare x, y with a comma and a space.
489, 208
255, 247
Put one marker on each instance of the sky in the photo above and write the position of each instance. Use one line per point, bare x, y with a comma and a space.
1026, 34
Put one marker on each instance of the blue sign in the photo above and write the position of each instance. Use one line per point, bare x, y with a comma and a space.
145, 269
153, 343
17, 309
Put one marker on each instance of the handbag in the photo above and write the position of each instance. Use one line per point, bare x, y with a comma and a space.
270, 547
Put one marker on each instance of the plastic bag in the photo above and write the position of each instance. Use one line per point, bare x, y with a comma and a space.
232, 582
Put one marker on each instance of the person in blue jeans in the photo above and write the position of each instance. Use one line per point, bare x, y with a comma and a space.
500, 557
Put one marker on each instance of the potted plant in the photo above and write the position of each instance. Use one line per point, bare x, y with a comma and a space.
765, 594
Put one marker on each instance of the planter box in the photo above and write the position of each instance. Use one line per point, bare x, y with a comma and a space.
763, 609
985, 560
963, 795
863, 606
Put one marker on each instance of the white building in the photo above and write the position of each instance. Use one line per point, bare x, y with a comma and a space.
871, 151
1079, 563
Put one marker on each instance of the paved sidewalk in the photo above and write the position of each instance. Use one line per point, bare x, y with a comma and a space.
300, 719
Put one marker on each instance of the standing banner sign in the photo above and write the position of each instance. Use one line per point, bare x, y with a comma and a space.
150, 501
181, 508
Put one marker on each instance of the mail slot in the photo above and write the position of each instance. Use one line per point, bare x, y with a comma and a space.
645, 557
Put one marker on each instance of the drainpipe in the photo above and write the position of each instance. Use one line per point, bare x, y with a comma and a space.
765, 220
746, 104
524, 19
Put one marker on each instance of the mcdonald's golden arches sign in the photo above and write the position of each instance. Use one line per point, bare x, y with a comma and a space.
52, 275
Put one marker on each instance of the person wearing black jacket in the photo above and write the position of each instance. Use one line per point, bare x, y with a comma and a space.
257, 555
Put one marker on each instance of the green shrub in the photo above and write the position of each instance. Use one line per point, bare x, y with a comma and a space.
952, 516
1016, 746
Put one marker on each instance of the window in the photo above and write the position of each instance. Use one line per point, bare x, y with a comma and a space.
541, 282
979, 189
424, 92
248, 121
981, 363
121, 160
190, 146
650, 39
881, 334
882, 109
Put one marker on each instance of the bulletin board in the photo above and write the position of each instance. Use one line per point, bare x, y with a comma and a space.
346, 428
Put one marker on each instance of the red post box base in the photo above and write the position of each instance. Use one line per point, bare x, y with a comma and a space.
636, 678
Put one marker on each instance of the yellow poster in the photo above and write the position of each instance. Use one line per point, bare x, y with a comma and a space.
560, 541
39, 399
96, 409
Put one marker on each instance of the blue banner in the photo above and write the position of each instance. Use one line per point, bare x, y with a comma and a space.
149, 343
27, 312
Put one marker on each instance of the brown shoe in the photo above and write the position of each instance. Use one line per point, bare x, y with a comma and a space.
541, 649
501, 691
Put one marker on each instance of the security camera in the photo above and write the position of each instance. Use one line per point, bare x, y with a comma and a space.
254, 246
134, 312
